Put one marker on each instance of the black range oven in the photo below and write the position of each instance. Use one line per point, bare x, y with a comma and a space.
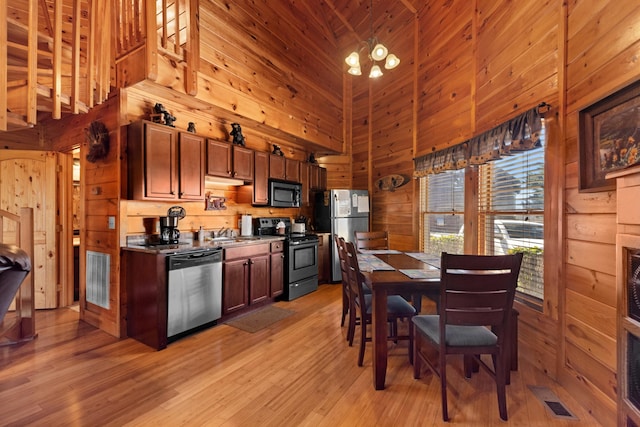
301, 257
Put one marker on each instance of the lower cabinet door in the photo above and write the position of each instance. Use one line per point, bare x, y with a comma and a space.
235, 285
259, 279
277, 274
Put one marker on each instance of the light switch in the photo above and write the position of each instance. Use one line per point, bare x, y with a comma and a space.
112, 223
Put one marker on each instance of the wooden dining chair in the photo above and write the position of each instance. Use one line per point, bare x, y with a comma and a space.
371, 240
342, 258
397, 307
476, 293
347, 301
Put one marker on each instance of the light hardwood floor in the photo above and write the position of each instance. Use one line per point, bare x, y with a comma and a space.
300, 371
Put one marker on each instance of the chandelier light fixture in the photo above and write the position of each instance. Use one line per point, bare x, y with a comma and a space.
376, 52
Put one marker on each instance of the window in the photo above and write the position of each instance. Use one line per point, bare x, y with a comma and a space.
511, 214
442, 206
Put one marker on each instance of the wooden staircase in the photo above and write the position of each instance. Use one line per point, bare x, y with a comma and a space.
58, 59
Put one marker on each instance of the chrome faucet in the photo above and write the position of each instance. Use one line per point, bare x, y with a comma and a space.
223, 231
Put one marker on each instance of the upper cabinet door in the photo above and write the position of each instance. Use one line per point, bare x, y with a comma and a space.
261, 178
242, 163
276, 167
292, 170
304, 180
160, 165
192, 167
219, 158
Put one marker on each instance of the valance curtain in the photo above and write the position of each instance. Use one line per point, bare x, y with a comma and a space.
518, 134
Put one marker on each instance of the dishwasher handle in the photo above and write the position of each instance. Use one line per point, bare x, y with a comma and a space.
193, 259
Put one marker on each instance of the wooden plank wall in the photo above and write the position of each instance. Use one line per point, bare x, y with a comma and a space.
100, 197
602, 50
478, 64
264, 63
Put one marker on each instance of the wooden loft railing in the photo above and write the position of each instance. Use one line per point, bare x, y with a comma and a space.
174, 26
58, 58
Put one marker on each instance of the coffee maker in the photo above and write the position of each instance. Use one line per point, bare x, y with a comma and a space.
169, 233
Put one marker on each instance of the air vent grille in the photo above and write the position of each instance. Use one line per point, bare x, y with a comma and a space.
98, 268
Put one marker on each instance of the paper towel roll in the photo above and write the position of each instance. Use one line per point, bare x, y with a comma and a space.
246, 226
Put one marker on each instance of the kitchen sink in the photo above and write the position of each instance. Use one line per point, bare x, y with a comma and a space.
224, 239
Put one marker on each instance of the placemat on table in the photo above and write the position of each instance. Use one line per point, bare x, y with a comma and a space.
378, 251
421, 274
426, 258
370, 262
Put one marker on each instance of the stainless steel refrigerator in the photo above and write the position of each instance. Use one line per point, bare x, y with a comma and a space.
341, 212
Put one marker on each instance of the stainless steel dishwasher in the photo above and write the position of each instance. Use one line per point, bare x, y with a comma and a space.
194, 295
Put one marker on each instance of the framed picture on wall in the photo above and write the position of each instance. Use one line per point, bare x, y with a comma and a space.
608, 138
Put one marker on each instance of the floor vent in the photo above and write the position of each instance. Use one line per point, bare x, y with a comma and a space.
552, 403
98, 270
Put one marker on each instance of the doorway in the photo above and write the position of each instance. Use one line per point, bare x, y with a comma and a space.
76, 224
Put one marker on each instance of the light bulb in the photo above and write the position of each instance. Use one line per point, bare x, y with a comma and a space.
353, 60
379, 52
355, 71
392, 62
375, 72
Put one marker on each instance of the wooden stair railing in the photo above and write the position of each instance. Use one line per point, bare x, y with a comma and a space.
67, 70
23, 325
175, 35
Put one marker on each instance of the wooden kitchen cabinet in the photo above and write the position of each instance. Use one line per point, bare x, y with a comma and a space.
317, 177
292, 170
145, 279
245, 276
164, 164
235, 285
283, 168
277, 268
152, 161
229, 161
219, 158
305, 197
261, 178
191, 152
242, 163
276, 167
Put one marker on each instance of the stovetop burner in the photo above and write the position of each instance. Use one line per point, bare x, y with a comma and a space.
267, 227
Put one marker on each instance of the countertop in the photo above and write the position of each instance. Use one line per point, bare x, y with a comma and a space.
139, 245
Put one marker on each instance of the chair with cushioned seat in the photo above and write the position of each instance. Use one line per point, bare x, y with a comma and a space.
476, 293
397, 307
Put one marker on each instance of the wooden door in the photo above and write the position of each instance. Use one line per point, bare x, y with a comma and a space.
28, 179
191, 159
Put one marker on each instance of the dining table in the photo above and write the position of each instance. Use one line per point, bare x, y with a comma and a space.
391, 272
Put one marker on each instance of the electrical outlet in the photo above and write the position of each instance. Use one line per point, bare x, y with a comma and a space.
112, 223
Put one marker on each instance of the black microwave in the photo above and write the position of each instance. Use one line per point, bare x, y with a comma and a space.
283, 194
